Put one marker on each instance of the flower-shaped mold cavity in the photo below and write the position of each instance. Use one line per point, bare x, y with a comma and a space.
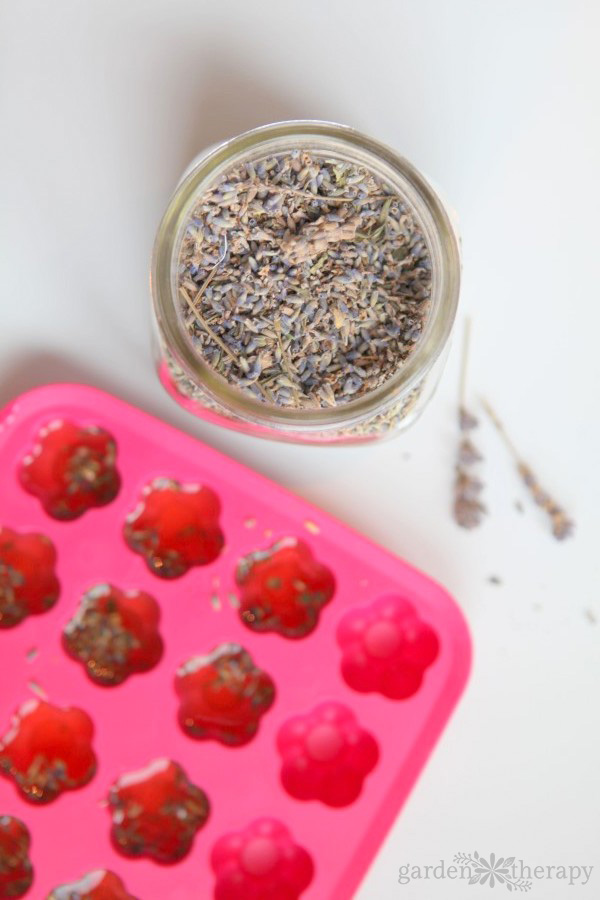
262, 861
283, 589
96, 885
156, 812
71, 469
16, 873
326, 755
175, 526
114, 634
28, 583
223, 695
386, 648
48, 750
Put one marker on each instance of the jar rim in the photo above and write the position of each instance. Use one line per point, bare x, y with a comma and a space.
431, 215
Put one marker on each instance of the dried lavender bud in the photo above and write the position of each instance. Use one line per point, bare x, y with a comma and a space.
468, 485
468, 510
468, 453
466, 420
562, 525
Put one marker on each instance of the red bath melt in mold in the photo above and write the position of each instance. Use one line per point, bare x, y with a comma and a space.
16, 873
71, 469
262, 861
283, 589
114, 634
326, 755
48, 750
223, 695
28, 583
386, 648
96, 885
175, 526
156, 812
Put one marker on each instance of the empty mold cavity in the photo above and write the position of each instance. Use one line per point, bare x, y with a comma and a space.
326, 755
261, 860
386, 648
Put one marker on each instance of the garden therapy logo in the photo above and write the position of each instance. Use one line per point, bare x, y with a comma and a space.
515, 875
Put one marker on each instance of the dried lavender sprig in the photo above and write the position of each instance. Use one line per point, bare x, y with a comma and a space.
468, 509
562, 525
193, 304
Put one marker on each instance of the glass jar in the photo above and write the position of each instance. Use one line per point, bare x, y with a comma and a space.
386, 410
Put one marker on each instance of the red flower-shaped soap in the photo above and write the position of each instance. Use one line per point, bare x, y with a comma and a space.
175, 527
223, 695
283, 589
48, 750
71, 469
114, 634
156, 812
262, 862
16, 873
326, 755
386, 648
97, 885
28, 584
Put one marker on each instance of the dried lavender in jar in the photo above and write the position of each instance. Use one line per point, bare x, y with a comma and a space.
303, 279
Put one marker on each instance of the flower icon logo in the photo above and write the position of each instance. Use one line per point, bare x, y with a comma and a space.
492, 871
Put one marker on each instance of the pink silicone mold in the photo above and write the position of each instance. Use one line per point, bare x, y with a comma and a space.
328, 578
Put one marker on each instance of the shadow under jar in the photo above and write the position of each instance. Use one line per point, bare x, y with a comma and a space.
305, 280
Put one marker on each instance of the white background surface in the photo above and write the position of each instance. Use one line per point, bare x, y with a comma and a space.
104, 102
